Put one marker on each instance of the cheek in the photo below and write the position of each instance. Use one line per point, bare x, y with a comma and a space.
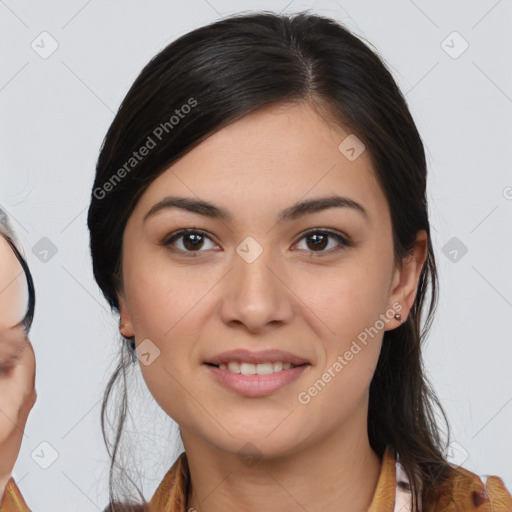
347, 299
162, 311
168, 309
169, 306
157, 295
349, 304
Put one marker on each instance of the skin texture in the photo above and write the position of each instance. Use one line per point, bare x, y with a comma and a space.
17, 361
13, 287
294, 297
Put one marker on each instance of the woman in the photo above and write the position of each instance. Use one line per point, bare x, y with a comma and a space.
17, 362
259, 221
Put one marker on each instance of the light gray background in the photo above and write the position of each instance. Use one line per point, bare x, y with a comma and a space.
55, 113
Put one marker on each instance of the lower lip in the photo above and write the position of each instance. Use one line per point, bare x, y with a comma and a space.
256, 385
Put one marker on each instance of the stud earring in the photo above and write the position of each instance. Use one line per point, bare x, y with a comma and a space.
398, 316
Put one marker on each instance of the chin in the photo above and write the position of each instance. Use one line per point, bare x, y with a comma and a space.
259, 444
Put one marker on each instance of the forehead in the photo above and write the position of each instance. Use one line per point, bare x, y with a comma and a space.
273, 156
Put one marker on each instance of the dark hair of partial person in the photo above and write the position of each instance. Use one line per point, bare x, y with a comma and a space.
7, 232
231, 68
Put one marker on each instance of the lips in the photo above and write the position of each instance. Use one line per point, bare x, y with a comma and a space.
255, 385
263, 356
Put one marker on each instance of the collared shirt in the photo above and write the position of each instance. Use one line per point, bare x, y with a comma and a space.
469, 492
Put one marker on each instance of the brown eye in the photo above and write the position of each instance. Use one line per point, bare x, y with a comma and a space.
192, 241
318, 240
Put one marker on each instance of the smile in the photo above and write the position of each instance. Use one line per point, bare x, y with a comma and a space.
255, 380
255, 369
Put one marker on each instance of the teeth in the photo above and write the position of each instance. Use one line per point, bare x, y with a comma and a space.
256, 369
277, 366
234, 367
248, 368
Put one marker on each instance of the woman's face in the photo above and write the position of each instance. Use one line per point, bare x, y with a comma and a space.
17, 359
265, 277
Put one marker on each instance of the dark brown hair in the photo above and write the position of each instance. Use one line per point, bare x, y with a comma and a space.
226, 70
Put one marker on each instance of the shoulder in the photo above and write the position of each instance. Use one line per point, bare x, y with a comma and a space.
472, 490
461, 490
469, 491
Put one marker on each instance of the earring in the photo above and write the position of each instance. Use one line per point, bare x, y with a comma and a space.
398, 316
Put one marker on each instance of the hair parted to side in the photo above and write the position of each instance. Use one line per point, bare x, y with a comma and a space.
226, 70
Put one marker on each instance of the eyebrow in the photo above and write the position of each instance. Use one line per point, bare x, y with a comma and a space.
300, 209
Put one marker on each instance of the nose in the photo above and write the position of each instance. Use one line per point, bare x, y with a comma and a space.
256, 294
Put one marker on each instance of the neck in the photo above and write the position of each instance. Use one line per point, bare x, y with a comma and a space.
337, 474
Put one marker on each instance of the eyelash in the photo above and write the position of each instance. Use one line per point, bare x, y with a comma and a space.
344, 241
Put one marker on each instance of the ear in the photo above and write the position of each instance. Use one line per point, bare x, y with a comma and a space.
405, 280
125, 323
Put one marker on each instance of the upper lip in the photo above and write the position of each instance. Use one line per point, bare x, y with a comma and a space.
263, 356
